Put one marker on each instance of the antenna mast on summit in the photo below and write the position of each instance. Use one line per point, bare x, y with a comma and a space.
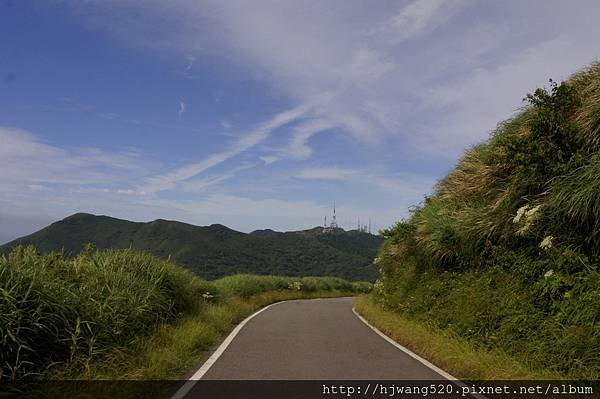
334, 221
333, 226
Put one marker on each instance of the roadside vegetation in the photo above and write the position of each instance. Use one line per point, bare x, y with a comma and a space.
124, 313
505, 255
455, 354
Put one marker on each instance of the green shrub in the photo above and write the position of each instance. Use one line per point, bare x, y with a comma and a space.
362, 286
246, 285
54, 310
553, 138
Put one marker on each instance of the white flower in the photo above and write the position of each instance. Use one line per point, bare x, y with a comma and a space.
378, 287
520, 213
523, 230
376, 261
526, 217
549, 273
547, 242
532, 211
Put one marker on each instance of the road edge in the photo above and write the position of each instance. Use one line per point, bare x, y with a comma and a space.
189, 384
410, 353
187, 387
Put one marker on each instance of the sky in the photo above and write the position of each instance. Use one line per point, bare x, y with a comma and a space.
260, 114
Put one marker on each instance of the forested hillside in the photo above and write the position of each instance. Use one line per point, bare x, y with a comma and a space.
215, 251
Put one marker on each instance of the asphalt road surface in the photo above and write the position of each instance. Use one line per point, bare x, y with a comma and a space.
319, 339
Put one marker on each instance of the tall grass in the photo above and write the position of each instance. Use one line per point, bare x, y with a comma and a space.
72, 312
53, 310
574, 200
246, 285
446, 349
507, 251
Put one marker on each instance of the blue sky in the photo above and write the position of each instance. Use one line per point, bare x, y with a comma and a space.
259, 114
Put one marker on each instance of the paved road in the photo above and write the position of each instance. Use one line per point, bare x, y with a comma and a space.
313, 339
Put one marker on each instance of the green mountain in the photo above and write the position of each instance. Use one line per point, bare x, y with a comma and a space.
216, 250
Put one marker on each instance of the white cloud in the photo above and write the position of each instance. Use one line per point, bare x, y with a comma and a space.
411, 20
269, 159
225, 124
169, 180
298, 148
301, 49
200, 185
404, 186
191, 60
376, 61
38, 188
476, 103
26, 159
181, 107
332, 173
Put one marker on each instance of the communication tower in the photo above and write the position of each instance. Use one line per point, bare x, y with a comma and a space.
333, 226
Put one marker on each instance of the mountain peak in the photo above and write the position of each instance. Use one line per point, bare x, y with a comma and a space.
80, 215
216, 250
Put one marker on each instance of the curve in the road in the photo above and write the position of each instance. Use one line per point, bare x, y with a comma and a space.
314, 339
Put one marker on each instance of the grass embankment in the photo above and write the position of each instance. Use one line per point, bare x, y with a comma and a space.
505, 255
446, 349
124, 314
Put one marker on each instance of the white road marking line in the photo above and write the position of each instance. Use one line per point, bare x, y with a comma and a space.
415, 356
406, 350
186, 388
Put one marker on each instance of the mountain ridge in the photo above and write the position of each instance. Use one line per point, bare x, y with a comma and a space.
216, 250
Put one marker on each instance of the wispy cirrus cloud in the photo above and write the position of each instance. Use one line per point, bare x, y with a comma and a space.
414, 18
191, 60
269, 159
397, 52
25, 159
181, 107
297, 147
202, 184
275, 41
404, 185
243, 143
